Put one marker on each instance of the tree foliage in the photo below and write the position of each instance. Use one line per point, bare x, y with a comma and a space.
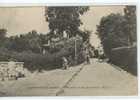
130, 23
85, 34
111, 32
64, 19
117, 30
32, 41
3, 33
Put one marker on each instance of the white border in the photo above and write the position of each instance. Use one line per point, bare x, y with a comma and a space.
11, 3
67, 1
15, 3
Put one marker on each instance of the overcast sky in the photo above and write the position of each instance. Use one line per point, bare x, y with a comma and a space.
25, 19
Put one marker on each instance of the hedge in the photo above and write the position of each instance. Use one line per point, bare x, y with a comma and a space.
126, 57
38, 61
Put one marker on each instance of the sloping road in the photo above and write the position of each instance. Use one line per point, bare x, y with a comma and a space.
48, 83
101, 79
84, 80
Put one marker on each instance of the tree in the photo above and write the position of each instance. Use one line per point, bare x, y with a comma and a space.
25, 42
64, 19
111, 32
85, 35
34, 41
3, 33
130, 23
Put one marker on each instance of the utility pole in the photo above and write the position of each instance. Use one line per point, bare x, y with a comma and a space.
75, 42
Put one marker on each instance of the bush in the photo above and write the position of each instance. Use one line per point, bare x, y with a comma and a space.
33, 61
36, 61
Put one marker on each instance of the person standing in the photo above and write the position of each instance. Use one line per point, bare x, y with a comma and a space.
86, 52
87, 56
64, 63
96, 53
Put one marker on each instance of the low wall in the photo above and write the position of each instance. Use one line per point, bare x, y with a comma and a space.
7, 64
126, 57
11, 68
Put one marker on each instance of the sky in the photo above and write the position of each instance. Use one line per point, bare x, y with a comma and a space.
19, 20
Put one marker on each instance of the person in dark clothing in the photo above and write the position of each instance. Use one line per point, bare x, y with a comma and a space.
96, 53
64, 63
87, 56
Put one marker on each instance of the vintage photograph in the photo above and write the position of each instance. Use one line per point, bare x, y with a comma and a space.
68, 51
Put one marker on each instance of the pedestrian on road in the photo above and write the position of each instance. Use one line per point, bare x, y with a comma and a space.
96, 53
86, 53
64, 63
87, 56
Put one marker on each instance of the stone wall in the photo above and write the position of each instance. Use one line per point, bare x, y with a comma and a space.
8, 69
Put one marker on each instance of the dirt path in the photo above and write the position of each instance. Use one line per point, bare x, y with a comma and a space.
102, 79
48, 83
94, 79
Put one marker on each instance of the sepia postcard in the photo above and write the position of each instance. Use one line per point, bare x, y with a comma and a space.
68, 50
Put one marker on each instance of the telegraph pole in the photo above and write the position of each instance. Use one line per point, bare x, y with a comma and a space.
75, 43
75, 51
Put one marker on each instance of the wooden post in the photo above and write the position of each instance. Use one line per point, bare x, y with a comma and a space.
75, 52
